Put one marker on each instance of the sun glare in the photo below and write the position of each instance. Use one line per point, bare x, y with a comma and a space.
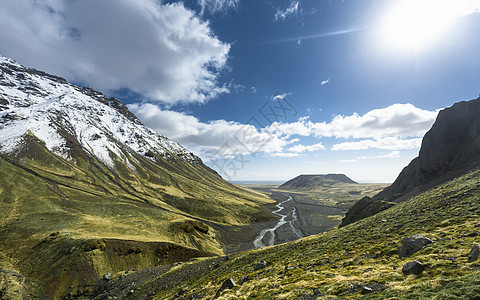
413, 25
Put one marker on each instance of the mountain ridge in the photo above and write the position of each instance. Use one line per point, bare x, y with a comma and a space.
86, 189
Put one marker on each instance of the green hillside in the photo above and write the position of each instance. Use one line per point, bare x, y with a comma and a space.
359, 260
65, 223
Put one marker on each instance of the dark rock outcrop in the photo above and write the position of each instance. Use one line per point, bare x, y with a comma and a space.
413, 244
227, 284
449, 149
474, 253
308, 182
260, 265
365, 207
413, 267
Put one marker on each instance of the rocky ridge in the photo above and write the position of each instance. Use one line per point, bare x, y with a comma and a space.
449, 149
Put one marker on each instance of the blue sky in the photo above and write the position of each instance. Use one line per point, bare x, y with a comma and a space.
265, 90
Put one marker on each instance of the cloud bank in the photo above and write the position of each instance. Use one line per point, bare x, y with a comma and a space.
397, 127
163, 52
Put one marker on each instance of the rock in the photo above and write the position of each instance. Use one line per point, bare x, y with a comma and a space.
413, 244
244, 279
260, 265
107, 276
413, 267
356, 287
474, 253
227, 284
473, 234
365, 207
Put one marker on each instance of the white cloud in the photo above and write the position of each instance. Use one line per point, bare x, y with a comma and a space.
292, 9
214, 6
393, 154
301, 148
387, 143
164, 52
397, 120
213, 139
284, 154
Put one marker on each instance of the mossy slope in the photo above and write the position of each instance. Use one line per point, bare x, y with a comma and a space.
338, 263
159, 200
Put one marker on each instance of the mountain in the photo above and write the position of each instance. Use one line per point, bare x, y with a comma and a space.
310, 182
449, 149
87, 189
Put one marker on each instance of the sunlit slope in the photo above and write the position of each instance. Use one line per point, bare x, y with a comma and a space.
87, 189
358, 260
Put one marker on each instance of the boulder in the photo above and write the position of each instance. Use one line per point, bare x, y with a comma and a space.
413, 267
413, 244
107, 276
474, 253
227, 284
260, 265
365, 207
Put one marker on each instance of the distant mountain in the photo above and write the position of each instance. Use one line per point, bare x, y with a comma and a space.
449, 149
87, 189
310, 182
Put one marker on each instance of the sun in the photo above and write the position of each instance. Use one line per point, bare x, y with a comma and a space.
413, 25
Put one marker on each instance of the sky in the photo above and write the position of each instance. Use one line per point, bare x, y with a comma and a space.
265, 90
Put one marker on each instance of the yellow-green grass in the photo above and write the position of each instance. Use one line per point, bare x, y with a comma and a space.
82, 200
364, 252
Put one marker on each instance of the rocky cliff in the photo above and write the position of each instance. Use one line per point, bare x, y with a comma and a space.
449, 149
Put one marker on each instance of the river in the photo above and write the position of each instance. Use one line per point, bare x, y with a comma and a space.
287, 214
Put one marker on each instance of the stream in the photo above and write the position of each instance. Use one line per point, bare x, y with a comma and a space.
262, 241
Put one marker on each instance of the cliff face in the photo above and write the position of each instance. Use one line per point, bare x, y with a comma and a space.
449, 149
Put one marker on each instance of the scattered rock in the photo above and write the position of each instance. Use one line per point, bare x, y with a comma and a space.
227, 284
260, 265
287, 268
413, 244
413, 267
474, 253
473, 234
107, 276
363, 288
244, 279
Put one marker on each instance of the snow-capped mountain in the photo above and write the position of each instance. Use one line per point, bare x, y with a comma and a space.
56, 112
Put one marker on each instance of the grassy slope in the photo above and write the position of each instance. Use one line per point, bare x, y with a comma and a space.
364, 252
161, 204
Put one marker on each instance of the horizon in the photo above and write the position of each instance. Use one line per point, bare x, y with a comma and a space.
265, 91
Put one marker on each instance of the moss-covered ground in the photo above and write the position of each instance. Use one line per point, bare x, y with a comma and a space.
340, 263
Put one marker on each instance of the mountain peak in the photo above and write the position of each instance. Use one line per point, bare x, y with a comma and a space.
55, 112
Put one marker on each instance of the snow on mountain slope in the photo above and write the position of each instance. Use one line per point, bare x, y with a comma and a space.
33, 102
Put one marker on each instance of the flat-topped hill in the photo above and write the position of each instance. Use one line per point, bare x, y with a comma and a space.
309, 182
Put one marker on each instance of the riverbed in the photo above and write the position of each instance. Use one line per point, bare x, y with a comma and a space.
295, 220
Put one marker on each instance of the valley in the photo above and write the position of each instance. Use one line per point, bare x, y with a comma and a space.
300, 213
95, 205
